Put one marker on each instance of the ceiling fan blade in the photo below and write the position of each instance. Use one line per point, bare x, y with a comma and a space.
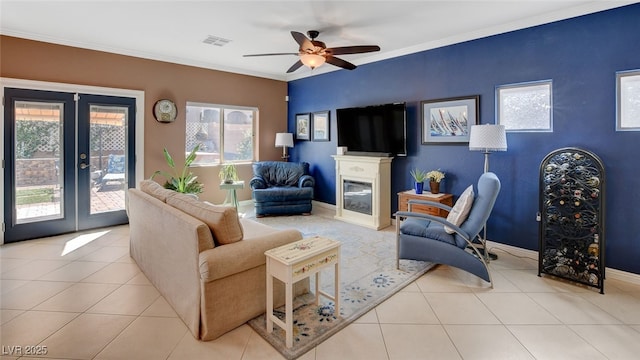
295, 66
303, 41
352, 49
250, 55
340, 63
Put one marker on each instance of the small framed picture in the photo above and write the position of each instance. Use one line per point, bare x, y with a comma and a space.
448, 121
302, 127
320, 125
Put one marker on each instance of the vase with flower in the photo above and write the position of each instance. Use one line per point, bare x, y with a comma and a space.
435, 177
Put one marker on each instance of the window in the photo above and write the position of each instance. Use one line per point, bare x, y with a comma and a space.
628, 100
525, 106
225, 133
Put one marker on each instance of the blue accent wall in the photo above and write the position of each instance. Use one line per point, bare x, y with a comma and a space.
580, 55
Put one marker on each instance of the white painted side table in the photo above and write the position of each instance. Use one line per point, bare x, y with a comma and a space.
232, 197
296, 261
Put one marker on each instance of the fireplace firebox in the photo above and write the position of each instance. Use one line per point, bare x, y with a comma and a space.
357, 196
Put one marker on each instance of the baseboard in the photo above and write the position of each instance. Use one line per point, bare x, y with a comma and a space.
532, 254
517, 251
323, 205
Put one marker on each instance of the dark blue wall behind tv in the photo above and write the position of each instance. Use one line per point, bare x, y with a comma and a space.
581, 56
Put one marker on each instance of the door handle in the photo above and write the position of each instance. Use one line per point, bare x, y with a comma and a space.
84, 166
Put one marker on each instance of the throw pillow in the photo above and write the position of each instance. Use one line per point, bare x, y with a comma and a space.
222, 220
460, 210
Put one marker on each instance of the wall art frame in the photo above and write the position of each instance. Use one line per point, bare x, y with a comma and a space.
303, 126
449, 120
320, 125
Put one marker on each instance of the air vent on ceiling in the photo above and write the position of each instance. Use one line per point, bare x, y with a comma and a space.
215, 40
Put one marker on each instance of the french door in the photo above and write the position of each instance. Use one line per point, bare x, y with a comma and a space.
69, 159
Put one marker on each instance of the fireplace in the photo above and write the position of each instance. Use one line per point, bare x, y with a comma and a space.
357, 196
363, 190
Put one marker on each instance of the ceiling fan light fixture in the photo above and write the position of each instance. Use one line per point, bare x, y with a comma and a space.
312, 60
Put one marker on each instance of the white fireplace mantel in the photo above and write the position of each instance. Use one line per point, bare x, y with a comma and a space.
370, 171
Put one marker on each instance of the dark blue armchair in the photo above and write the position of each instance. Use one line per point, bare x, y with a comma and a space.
281, 188
423, 237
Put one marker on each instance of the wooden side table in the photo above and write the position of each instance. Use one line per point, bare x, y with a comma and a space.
405, 196
296, 261
232, 197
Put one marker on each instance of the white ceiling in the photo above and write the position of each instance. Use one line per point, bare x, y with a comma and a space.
174, 30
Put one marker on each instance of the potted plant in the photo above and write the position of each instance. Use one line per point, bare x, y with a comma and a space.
435, 177
419, 177
183, 181
228, 173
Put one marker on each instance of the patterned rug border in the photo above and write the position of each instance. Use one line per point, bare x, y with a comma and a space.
258, 324
309, 333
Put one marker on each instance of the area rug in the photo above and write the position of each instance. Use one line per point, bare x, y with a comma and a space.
367, 277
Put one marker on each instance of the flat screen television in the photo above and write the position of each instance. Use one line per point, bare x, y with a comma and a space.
379, 130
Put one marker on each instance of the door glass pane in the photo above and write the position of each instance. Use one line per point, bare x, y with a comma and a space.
107, 160
38, 162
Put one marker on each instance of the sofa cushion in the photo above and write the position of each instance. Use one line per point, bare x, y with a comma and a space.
222, 220
460, 210
283, 194
427, 229
156, 190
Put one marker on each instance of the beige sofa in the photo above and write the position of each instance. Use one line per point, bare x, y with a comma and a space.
208, 264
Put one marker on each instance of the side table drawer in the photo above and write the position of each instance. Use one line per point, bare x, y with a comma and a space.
405, 196
425, 209
319, 261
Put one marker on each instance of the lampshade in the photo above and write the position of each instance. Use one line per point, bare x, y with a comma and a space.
488, 138
284, 139
312, 60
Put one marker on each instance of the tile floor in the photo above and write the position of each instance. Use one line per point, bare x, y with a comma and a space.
83, 297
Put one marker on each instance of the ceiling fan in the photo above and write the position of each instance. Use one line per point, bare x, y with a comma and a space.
314, 53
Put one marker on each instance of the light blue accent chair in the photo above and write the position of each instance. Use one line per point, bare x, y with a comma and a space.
422, 237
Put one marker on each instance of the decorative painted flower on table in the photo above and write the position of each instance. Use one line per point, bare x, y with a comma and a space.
435, 176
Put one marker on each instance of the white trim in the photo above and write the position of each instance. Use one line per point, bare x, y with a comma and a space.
73, 88
532, 254
323, 205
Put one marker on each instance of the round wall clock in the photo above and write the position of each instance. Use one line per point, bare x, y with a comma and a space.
165, 110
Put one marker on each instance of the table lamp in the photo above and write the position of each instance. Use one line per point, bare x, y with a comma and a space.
285, 140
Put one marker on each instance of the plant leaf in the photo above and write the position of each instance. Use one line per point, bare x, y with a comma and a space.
169, 159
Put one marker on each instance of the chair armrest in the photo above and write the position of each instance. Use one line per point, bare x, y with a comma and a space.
306, 181
257, 182
429, 203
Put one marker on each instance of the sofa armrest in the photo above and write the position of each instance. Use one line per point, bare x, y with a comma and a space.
257, 182
164, 242
306, 181
239, 256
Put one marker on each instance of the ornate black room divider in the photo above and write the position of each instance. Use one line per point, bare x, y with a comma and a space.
572, 243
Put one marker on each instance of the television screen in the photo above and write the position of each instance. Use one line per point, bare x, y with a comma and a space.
379, 129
